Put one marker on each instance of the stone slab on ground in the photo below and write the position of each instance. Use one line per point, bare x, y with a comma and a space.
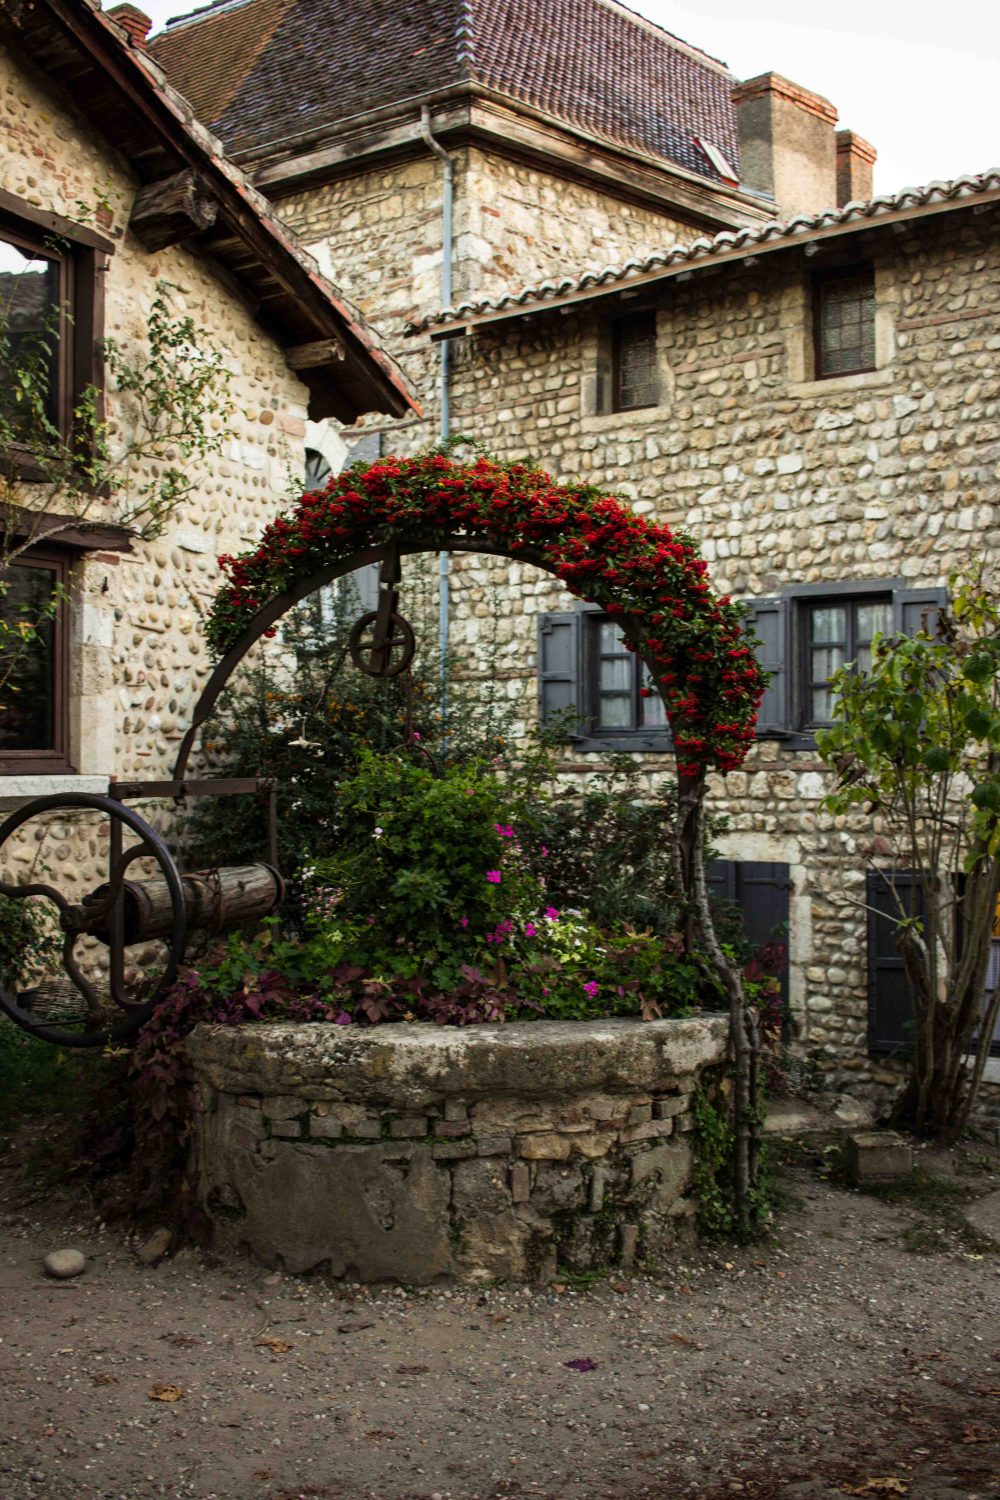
878, 1156
984, 1216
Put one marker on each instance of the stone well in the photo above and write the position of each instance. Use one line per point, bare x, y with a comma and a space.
416, 1153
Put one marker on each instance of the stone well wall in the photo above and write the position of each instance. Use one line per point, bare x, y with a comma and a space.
416, 1153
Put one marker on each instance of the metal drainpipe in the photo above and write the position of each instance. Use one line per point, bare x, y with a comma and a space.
447, 231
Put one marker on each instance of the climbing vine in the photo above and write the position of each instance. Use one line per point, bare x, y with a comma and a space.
646, 577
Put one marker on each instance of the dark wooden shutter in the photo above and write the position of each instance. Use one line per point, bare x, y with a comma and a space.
558, 663
759, 889
768, 620
890, 997
917, 609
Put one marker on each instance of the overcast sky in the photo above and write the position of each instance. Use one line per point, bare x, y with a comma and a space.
920, 79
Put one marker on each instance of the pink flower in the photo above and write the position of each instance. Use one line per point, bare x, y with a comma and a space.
463, 921
592, 988
416, 734
544, 852
493, 876
505, 830
530, 930
552, 914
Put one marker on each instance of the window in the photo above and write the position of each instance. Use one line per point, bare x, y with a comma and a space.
33, 663
844, 312
834, 634
622, 697
585, 666
357, 593
50, 319
634, 375
807, 634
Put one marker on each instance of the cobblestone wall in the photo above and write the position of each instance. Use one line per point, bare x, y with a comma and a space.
414, 1153
138, 659
784, 481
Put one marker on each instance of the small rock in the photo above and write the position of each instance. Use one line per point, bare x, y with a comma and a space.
152, 1251
64, 1263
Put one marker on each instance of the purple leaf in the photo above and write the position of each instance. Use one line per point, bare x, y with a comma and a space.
583, 1365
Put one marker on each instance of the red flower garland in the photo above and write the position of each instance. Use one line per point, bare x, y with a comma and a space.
649, 580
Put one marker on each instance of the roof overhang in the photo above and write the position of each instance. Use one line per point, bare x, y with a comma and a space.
806, 234
123, 93
468, 113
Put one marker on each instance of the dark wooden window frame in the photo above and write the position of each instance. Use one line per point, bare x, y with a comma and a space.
835, 599
57, 757
593, 655
82, 254
620, 329
821, 280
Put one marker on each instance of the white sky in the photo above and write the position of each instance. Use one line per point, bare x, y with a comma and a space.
920, 79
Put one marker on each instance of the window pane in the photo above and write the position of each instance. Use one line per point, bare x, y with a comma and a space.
29, 327
611, 637
872, 618
616, 673
825, 661
635, 363
846, 324
616, 710
653, 715
829, 624
822, 705
27, 666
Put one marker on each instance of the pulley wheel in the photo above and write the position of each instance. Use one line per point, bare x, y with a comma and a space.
382, 652
74, 1009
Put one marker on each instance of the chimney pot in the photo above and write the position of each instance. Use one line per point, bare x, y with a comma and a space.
131, 19
855, 159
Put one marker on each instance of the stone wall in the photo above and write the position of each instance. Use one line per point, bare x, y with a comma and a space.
783, 480
414, 1153
378, 233
138, 660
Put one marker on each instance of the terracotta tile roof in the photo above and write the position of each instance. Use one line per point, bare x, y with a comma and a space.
730, 245
266, 71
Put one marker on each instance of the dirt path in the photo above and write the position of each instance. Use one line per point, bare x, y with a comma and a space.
833, 1361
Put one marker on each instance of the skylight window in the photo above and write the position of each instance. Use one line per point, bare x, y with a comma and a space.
717, 159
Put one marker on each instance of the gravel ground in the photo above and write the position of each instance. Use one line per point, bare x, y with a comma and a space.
834, 1360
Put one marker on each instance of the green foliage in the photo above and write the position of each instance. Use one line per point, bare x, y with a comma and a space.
714, 1159
27, 941
916, 744
608, 850
422, 859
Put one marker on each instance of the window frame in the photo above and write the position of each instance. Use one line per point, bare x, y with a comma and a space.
803, 644
57, 758
620, 327
579, 684
819, 281
786, 703
82, 255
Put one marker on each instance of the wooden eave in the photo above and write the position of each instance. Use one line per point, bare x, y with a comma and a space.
118, 89
469, 113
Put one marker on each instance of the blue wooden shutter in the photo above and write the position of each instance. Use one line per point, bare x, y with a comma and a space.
917, 609
558, 663
768, 620
890, 996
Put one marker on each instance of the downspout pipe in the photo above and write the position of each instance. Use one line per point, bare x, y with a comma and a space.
444, 372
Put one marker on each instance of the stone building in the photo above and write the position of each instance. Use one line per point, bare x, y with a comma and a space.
678, 286
113, 193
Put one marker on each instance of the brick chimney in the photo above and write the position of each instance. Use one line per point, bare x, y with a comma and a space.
787, 144
855, 159
131, 19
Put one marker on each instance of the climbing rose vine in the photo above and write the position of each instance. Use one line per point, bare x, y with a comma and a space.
651, 581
